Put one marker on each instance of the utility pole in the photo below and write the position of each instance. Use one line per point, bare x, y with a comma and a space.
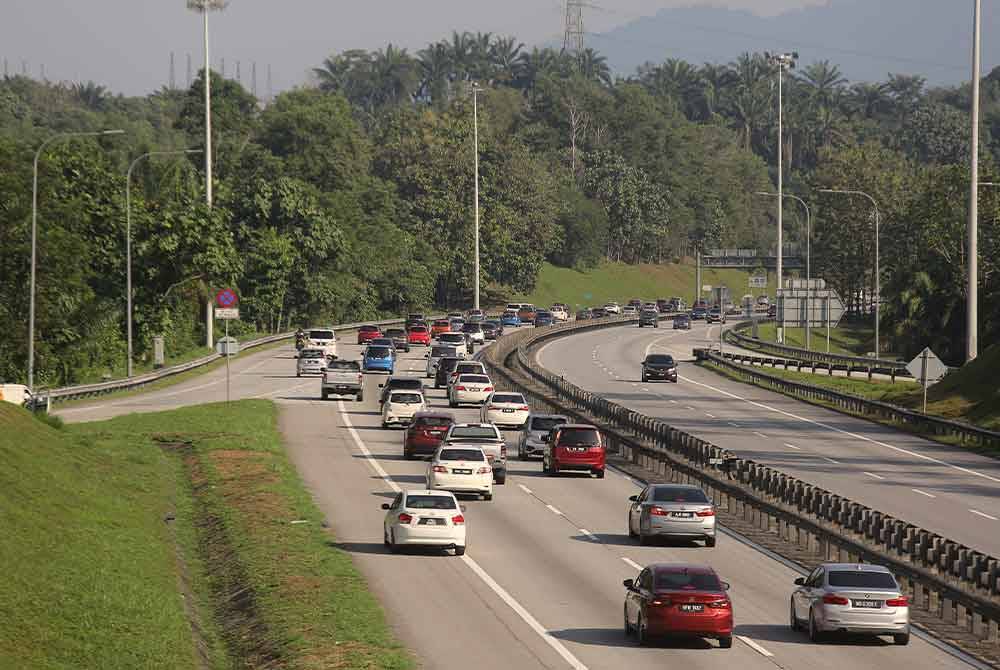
972, 293
173, 73
239, 75
475, 133
573, 31
270, 88
189, 71
253, 78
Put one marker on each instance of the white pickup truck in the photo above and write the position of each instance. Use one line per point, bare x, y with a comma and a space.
343, 378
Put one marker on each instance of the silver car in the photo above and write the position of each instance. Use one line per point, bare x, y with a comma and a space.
435, 355
311, 361
850, 598
672, 510
532, 440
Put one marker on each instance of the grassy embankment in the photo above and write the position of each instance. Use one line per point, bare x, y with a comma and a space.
167, 541
613, 281
848, 339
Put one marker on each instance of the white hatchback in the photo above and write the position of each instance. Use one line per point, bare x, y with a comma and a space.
505, 410
399, 408
470, 389
424, 518
461, 469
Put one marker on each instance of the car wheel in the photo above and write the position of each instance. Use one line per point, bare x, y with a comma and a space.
901, 639
384, 425
460, 551
644, 540
487, 496
452, 403
407, 455
641, 635
710, 541
793, 621
644, 379
298, 374
360, 397
726, 642
628, 626
385, 537
631, 533
815, 635
600, 474
393, 547
325, 395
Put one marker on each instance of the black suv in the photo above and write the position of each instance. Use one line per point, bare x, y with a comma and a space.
445, 367
682, 322
400, 384
649, 317
659, 366
715, 315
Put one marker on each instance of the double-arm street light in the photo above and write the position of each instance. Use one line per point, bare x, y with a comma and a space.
128, 241
809, 312
878, 279
475, 140
34, 240
972, 294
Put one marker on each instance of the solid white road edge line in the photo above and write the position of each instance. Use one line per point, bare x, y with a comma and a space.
631, 563
984, 514
753, 645
872, 474
525, 615
554, 510
759, 434
924, 493
524, 488
792, 446
827, 458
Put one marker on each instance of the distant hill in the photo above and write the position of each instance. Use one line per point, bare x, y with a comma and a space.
866, 38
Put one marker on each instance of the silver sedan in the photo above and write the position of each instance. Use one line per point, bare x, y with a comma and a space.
672, 510
850, 598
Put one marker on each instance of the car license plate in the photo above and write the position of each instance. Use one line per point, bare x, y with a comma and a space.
867, 604
508, 410
682, 515
474, 389
462, 471
435, 433
689, 607
432, 522
578, 448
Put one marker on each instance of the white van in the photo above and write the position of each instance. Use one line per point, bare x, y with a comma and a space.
323, 338
17, 394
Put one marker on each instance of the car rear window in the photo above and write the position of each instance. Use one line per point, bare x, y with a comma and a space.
418, 329
439, 352
679, 494
683, 580
395, 332
343, 365
546, 422
405, 383
469, 368
320, 334
452, 337
427, 421
580, 436
312, 353
543, 314
442, 322
462, 455
471, 328
862, 579
473, 432
430, 502
508, 397
474, 379
378, 352
660, 359
406, 398
368, 329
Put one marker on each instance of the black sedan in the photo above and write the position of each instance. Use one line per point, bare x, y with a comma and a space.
682, 322
584, 315
699, 313
492, 329
659, 366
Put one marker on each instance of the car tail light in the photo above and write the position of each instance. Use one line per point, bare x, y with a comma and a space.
459, 388
658, 511
524, 408
361, 377
488, 389
503, 451
439, 468
834, 599
405, 518
661, 601
458, 520
901, 601
485, 470
492, 407
706, 512
720, 604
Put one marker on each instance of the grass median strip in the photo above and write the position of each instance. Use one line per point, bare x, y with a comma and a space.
116, 527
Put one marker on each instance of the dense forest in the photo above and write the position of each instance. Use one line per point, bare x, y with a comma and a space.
352, 197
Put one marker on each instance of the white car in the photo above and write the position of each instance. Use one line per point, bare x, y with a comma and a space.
559, 313
323, 338
424, 518
612, 308
399, 408
452, 339
505, 410
311, 361
461, 469
630, 310
474, 331
465, 368
470, 389
17, 394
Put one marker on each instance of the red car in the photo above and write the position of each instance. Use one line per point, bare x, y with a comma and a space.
368, 333
425, 434
440, 326
419, 335
678, 599
574, 447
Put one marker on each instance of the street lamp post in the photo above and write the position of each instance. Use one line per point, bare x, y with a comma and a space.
972, 294
34, 241
128, 243
878, 278
206, 6
809, 312
475, 133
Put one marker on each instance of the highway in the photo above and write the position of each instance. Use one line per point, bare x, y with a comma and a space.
540, 586
946, 489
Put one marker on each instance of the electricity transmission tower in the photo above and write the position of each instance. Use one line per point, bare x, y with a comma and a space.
573, 36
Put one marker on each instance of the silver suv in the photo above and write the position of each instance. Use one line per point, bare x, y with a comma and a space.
536, 429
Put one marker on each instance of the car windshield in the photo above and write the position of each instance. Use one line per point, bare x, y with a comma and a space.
680, 494
430, 502
546, 422
320, 334
462, 455
681, 318
862, 579
343, 365
378, 352
510, 314
437, 421
509, 397
312, 353
438, 352
489, 325
474, 379
475, 432
543, 314
441, 322
406, 398
648, 312
660, 359
683, 580
581, 436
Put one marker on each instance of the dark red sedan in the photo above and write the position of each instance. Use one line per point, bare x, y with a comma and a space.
368, 333
425, 434
678, 599
419, 335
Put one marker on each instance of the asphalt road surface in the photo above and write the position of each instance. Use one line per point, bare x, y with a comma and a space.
946, 489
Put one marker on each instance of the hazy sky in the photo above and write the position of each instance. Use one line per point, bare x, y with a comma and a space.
126, 45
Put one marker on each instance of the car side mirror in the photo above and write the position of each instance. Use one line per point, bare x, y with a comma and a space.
386, 506
725, 586
634, 498
629, 584
800, 581
427, 355
381, 385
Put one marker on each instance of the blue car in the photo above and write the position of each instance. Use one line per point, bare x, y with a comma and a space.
379, 358
544, 318
510, 319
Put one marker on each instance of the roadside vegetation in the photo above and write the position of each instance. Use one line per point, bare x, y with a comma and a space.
179, 539
850, 338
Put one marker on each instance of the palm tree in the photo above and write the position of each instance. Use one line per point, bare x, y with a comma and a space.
349, 74
677, 79
531, 67
823, 80
91, 95
480, 57
750, 102
715, 81
395, 76
868, 99
460, 55
505, 53
593, 66
435, 68
905, 92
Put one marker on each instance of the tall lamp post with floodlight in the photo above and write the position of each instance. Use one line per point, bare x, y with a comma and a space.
128, 242
34, 241
204, 7
475, 140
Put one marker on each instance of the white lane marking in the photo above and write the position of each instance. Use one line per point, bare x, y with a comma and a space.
634, 384
644, 389
831, 460
631, 562
690, 408
589, 534
924, 493
792, 446
556, 645
753, 645
676, 402
554, 510
532, 622
984, 514
525, 489
873, 475
711, 416
759, 434
856, 436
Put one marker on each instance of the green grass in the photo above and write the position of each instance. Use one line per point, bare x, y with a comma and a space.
848, 339
613, 281
897, 393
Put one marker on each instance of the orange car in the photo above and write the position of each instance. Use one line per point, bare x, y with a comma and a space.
440, 326
526, 313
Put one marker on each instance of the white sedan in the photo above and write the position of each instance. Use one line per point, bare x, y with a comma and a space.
470, 389
461, 470
424, 518
613, 308
559, 313
400, 406
505, 410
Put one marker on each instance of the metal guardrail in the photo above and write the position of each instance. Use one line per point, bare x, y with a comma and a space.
948, 581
